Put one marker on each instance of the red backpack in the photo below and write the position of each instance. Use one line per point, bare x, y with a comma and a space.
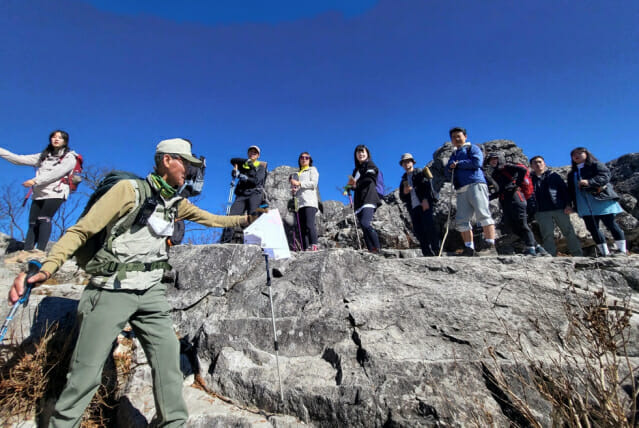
74, 178
526, 186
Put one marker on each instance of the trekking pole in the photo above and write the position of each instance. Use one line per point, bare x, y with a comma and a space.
450, 208
350, 198
33, 268
230, 199
275, 344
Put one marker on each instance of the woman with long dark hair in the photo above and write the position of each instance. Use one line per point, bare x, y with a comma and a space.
366, 199
594, 199
307, 181
50, 188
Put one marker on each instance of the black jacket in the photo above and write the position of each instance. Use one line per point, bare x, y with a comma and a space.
508, 184
423, 188
599, 186
551, 191
256, 176
366, 191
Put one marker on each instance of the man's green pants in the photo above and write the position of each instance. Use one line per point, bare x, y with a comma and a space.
102, 315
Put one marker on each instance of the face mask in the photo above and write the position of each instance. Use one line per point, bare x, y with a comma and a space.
160, 227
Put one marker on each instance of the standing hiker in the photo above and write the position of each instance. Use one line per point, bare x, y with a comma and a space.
126, 283
249, 191
416, 191
307, 183
50, 189
510, 179
366, 199
551, 197
594, 199
472, 193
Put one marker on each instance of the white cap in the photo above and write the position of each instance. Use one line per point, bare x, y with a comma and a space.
256, 148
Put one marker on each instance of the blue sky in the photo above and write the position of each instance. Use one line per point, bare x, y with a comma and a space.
322, 77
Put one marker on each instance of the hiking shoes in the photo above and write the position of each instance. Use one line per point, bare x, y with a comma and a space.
488, 250
541, 252
617, 253
468, 252
529, 251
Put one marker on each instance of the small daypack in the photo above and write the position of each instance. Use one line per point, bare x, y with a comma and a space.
380, 184
74, 178
526, 186
86, 253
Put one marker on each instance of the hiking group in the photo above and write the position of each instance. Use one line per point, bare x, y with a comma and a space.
122, 238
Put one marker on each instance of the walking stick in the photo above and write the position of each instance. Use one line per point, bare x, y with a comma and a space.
275, 344
229, 202
350, 199
450, 208
33, 268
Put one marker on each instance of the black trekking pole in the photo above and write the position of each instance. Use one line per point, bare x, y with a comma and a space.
33, 268
350, 199
275, 344
450, 208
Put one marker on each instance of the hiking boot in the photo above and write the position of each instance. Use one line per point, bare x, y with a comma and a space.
529, 251
541, 252
468, 252
488, 250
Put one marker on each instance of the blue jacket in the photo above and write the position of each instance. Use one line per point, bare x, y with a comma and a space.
469, 161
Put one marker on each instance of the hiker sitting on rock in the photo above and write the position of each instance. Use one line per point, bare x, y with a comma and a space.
594, 199
50, 189
126, 285
417, 193
472, 192
366, 199
510, 179
551, 197
250, 174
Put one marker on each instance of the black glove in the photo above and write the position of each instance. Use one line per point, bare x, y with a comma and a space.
235, 173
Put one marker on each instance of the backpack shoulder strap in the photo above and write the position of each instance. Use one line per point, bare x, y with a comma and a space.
143, 191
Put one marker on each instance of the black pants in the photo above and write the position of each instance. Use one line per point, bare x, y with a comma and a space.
592, 224
425, 231
516, 218
307, 226
371, 239
243, 204
40, 215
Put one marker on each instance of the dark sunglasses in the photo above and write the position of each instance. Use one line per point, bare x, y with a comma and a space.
305, 157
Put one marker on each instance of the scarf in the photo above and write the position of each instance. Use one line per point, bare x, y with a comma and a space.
166, 191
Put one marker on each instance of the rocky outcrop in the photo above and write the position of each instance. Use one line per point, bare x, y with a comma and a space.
371, 341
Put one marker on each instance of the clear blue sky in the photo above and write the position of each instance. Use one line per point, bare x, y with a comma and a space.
322, 77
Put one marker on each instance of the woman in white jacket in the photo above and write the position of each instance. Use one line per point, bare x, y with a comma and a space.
308, 180
49, 187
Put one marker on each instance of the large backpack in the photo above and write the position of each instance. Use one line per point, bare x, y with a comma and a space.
526, 186
74, 178
87, 252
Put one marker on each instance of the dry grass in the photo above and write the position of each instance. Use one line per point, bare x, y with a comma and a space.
33, 373
589, 382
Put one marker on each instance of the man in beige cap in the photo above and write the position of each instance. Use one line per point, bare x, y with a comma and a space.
126, 283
